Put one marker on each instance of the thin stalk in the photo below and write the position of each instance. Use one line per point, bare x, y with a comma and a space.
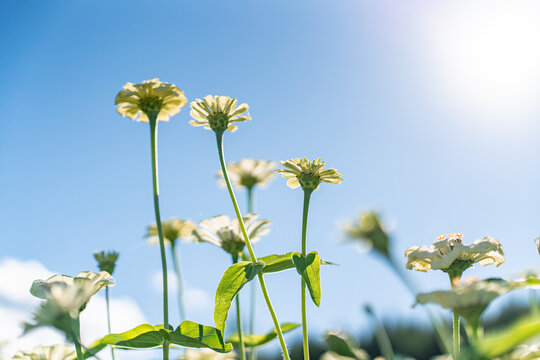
179, 286
153, 140
381, 336
305, 341
454, 281
239, 320
76, 329
219, 139
108, 316
253, 287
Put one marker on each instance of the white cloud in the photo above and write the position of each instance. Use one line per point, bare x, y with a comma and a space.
17, 305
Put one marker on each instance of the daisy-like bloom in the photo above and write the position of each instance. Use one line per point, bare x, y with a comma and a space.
173, 229
308, 174
206, 354
55, 352
218, 113
369, 230
537, 241
226, 233
451, 255
65, 297
106, 260
152, 98
249, 172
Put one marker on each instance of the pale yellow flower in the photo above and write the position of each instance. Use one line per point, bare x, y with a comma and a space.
226, 233
249, 172
308, 174
218, 113
369, 231
90, 281
148, 99
473, 294
206, 354
173, 229
449, 249
55, 352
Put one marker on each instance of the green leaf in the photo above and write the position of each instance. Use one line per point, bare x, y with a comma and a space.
234, 278
258, 340
188, 334
343, 345
193, 335
308, 267
496, 345
276, 263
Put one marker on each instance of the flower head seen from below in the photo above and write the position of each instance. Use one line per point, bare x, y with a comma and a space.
173, 230
308, 174
150, 99
106, 260
451, 255
218, 113
369, 231
250, 172
226, 233
206, 354
55, 352
65, 297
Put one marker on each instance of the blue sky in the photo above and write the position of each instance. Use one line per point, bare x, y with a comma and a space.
428, 109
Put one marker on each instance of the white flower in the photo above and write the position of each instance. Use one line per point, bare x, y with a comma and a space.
88, 281
218, 113
206, 354
173, 229
226, 233
55, 352
250, 172
449, 249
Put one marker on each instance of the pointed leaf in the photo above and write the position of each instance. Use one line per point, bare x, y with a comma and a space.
276, 263
193, 335
234, 278
258, 340
144, 336
308, 267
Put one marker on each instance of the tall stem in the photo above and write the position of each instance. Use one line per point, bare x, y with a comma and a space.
76, 329
219, 139
109, 316
454, 281
153, 140
305, 341
253, 287
239, 320
179, 285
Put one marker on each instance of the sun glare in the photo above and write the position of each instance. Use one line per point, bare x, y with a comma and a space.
489, 56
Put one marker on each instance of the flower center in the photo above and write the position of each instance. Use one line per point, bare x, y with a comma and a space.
218, 121
231, 242
309, 181
150, 105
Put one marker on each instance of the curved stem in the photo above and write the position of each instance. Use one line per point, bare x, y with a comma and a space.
108, 316
219, 139
239, 320
253, 287
179, 286
76, 329
454, 281
153, 140
305, 341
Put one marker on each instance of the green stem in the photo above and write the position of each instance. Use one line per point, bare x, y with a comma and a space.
455, 279
456, 335
381, 336
76, 329
253, 287
179, 286
305, 341
219, 139
108, 316
239, 320
153, 139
